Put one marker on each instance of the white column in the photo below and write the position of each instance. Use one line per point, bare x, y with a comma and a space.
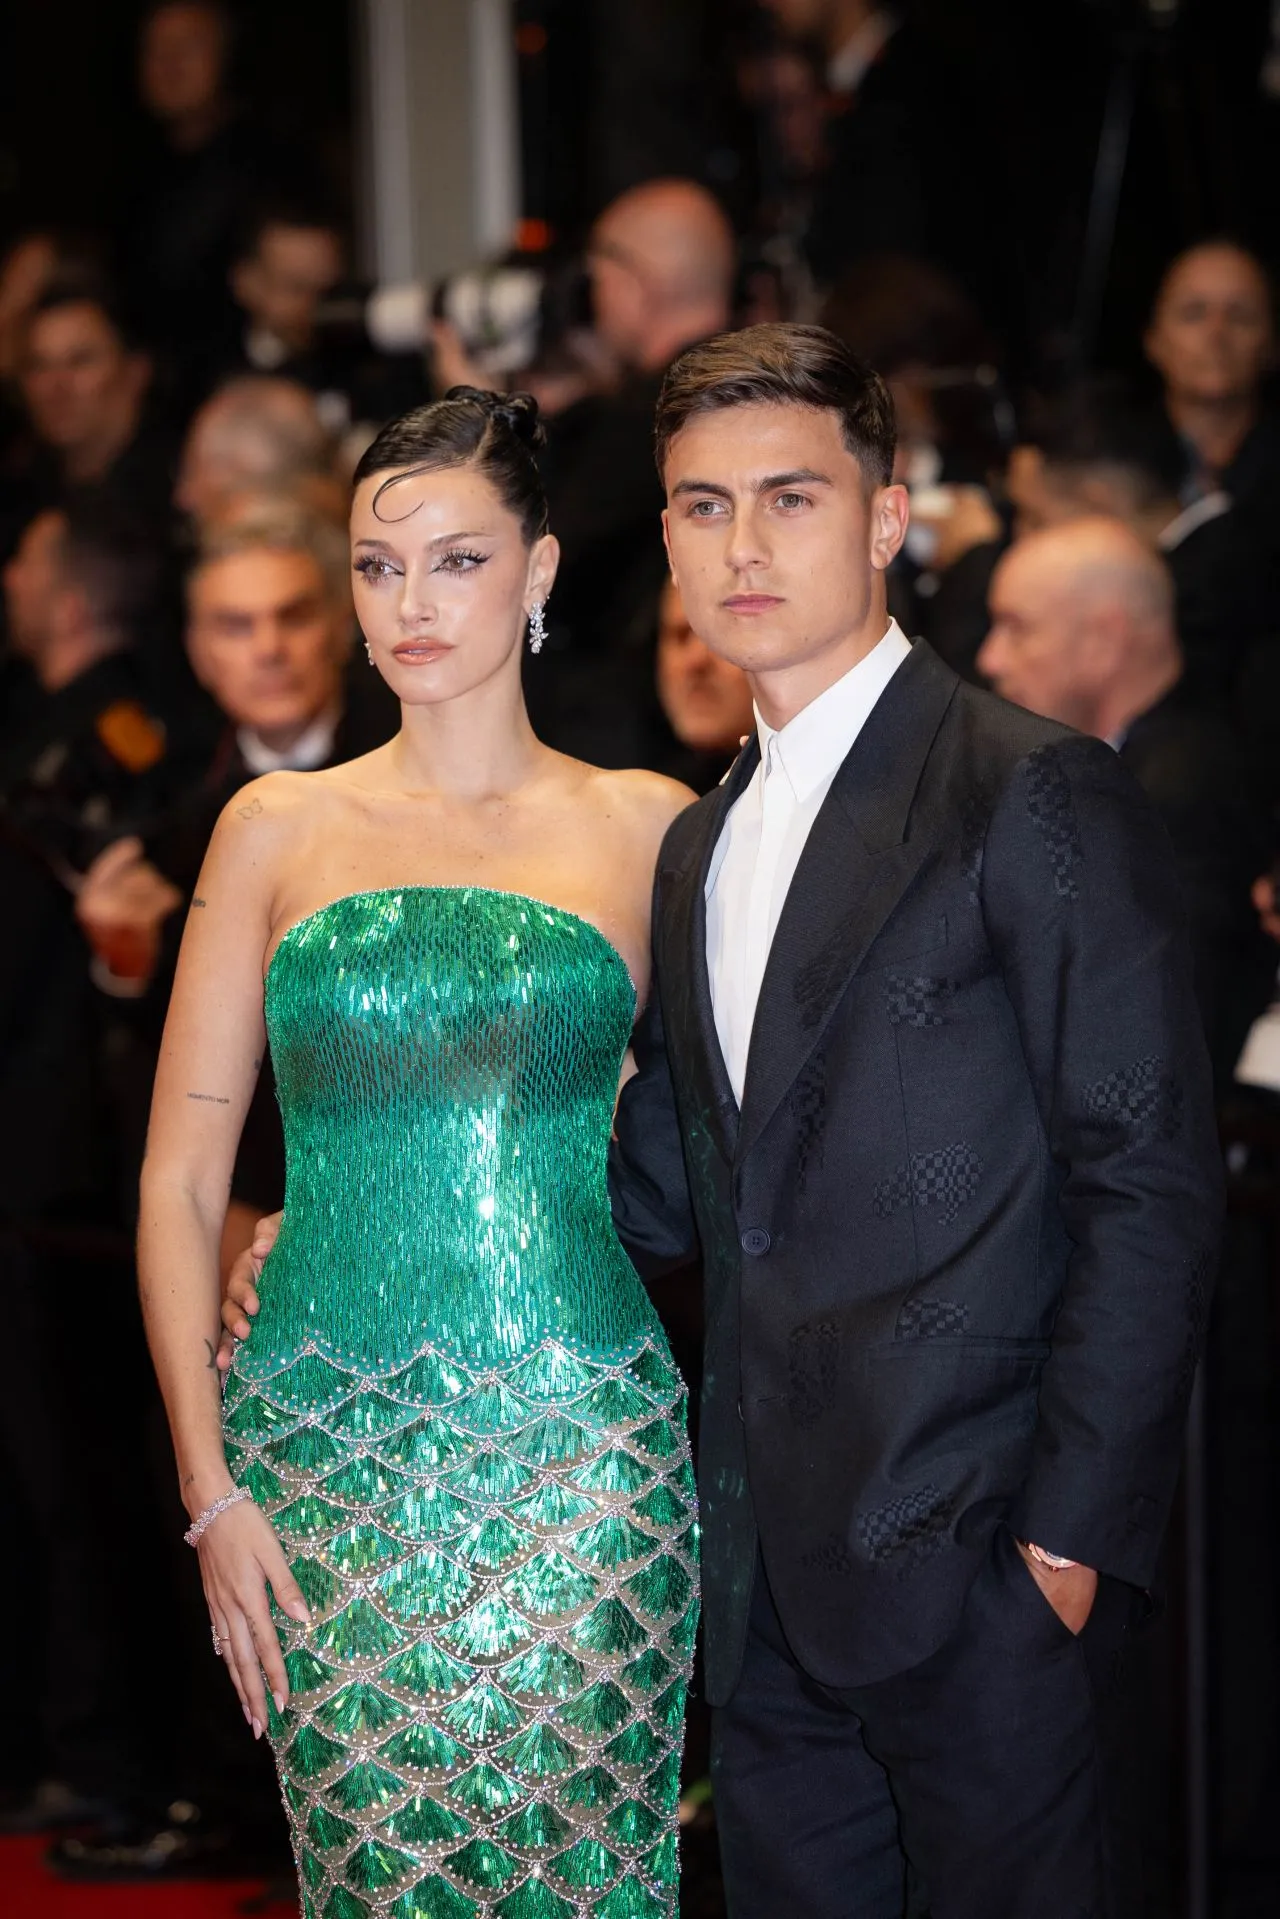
439, 135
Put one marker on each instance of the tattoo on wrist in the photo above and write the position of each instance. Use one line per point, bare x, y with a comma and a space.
211, 1364
251, 811
213, 1099
196, 903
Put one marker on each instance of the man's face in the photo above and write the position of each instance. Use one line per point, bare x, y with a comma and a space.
775, 535
31, 583
621, 301
1211, 334
707, 700
265, 639
181, 61
78, 379
1033, 653
284, 280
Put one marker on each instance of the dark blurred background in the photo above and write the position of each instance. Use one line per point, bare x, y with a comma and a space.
234, 241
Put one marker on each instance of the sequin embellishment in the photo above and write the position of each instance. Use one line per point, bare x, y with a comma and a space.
461, 1415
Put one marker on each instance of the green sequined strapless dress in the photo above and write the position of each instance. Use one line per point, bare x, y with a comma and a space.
461, 1415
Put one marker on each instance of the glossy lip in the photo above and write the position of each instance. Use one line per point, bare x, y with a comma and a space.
420, 652
752, 602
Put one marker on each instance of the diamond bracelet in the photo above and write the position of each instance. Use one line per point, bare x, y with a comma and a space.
210, 1513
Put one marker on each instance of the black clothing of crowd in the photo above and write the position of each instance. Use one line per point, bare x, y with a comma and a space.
107, 734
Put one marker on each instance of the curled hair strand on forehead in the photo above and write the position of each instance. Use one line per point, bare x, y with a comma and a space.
498, 434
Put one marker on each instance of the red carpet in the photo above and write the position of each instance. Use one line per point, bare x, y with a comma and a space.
27, 1891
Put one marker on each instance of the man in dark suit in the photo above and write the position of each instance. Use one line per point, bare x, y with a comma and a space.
923, 1074
1082, 631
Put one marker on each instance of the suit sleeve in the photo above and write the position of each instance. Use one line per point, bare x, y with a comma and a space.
648, 1183
1084, 912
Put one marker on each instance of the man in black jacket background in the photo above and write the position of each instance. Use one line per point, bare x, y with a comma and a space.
924, 1075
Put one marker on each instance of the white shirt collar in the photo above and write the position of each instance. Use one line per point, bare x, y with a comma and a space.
847, 69
810, 748
309, 750
1211, 506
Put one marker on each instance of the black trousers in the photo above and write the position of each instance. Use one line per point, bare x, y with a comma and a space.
986, 1783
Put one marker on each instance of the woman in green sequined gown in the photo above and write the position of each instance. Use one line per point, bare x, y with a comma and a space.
472, 1500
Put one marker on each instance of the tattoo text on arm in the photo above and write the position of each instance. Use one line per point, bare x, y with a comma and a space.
212, 1099
196, 903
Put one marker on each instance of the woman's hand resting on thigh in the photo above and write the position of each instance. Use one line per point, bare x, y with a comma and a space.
240, 1299
240, 1557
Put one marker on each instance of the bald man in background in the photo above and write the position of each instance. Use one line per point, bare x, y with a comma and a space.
256, 433
661, 260
1082, 631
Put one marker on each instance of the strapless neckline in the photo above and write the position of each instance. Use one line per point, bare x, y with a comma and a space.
489, 892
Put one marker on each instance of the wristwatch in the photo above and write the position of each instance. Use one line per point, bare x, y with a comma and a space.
1053, 1562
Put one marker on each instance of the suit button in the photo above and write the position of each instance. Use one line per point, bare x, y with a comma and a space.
755, 1241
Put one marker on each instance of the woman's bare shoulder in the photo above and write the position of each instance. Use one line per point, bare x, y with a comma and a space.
651, 799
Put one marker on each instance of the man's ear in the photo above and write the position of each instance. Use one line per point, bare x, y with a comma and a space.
666, 541
890, 516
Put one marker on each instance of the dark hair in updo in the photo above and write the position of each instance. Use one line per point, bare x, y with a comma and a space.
499, 433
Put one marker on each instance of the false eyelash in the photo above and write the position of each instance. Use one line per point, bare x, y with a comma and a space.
462, 553
373, 567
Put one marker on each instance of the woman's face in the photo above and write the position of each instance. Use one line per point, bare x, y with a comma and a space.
443, 581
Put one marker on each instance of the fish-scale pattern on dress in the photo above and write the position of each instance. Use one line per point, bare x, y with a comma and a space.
478, 1466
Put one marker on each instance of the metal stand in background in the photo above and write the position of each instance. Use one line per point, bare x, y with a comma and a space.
1198, 1800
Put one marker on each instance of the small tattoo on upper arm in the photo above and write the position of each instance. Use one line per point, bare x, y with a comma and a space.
196, 903
214, 1099
250, 811
211, 1364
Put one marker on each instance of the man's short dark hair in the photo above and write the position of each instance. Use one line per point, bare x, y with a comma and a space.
74, 288
117, 561
296, 210
1100, 425
783, 365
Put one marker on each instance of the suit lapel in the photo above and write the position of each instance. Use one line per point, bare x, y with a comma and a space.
856, 866
686, 982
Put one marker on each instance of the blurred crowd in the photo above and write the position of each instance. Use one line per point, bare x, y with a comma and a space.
181, 406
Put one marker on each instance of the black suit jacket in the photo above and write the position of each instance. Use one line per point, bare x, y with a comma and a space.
959, 1241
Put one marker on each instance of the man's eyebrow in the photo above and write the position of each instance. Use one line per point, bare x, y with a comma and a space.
701, 486
772, 483
801, 476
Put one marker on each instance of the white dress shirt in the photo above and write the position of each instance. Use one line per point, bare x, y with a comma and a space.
311, 748
762, 839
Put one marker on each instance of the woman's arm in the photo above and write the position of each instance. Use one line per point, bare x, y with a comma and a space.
209, 1062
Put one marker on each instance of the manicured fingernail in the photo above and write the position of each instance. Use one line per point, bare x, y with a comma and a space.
300, 1613
257, 1729
248, 1716
279, 1699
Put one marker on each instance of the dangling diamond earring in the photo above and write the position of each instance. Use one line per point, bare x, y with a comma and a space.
368, 647
537, 627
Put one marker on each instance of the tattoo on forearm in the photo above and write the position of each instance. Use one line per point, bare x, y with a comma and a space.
211, 1364
251, 811
212, 1099
196, 903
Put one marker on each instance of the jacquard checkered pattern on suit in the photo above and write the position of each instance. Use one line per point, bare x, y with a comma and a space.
911, 1527
947, 1179
1142, 1100
1053, 810
916, 1000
